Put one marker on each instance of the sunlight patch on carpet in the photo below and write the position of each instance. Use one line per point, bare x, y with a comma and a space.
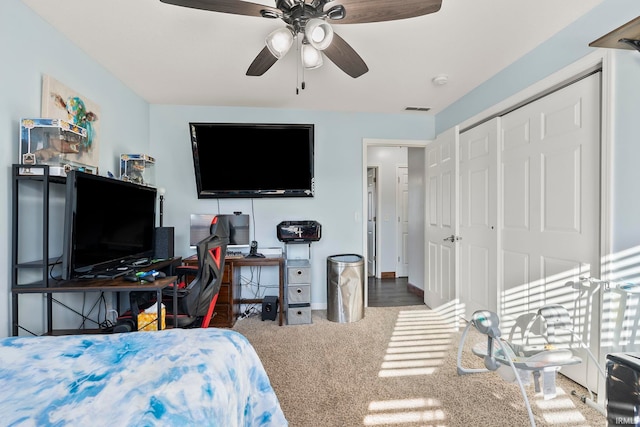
403, 411
419, 348
564, 417
560, 410
387, 405
418, 344
409, 356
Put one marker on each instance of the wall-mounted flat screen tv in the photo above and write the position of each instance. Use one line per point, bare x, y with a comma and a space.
252, 160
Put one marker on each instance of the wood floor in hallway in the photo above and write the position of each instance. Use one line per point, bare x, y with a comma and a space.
391, 293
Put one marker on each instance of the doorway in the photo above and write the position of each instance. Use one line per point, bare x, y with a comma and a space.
385, 224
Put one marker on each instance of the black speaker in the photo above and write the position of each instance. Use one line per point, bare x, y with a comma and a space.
269, 308
163, 246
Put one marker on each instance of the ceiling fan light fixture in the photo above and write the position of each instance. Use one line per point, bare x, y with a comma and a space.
279, 42
311, 57
319, 33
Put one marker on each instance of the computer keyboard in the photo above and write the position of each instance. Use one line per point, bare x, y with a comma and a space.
234, 254
109, 274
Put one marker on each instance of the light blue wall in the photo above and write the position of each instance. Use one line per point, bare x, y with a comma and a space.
566, 47
626, 161
30, 48
337, 204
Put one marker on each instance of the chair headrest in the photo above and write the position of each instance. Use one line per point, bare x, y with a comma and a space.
486, 322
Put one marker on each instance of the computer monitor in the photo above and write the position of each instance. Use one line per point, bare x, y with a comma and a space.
200, 225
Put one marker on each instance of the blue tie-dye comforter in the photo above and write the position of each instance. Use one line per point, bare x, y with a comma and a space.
196, 377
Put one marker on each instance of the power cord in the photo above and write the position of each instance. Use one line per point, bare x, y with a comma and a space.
250, 311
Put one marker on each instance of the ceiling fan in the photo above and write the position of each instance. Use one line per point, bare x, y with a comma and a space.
310, 20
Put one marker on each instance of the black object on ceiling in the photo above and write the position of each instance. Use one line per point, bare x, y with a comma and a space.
626, 36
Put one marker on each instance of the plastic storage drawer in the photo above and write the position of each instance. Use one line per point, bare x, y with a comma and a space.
299, 294
298, 271
299, 315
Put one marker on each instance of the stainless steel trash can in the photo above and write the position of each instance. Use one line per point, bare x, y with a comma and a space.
345, 288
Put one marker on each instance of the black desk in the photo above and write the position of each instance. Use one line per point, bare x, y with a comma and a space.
97, 285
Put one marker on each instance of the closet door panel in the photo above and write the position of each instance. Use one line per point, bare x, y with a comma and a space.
550, 164
478, 218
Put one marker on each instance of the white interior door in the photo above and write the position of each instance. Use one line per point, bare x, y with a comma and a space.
402, 211
371, 220
478, 218
551, 201
550, 182
441, 212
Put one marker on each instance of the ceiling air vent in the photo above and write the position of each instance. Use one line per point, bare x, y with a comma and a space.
417, 108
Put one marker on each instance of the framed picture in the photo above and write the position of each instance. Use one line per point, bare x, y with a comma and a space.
61, 102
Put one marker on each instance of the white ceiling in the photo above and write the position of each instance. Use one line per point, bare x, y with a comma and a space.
175, 55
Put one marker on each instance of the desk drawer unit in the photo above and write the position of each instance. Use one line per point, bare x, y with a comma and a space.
222, 316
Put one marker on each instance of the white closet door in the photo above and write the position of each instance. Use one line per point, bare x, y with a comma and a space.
440, 286
551, 203
478, 218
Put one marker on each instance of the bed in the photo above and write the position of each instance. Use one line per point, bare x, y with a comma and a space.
179, 377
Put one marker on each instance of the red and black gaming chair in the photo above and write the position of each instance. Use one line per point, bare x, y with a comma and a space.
196, 299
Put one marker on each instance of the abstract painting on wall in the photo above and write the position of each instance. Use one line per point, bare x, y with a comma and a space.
61, 102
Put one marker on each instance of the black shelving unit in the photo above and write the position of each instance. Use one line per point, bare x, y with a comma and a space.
35, 175
40, 181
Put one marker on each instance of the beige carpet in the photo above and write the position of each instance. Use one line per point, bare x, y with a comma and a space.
395, 367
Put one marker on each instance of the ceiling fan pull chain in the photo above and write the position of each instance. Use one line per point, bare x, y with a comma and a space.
303, 84
298, 65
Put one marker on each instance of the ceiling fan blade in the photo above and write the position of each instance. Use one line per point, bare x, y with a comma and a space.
362, 11
347, 59
236, 7
261, 63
